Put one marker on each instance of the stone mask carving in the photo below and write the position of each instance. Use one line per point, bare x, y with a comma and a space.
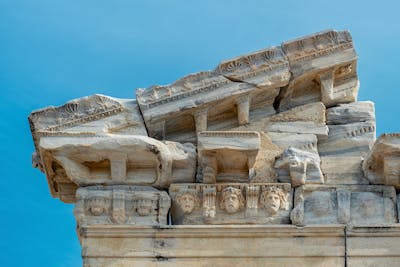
97, 206
232, 200
187, 201
273, 199
144, 207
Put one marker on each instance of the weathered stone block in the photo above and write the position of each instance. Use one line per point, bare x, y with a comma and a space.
303, 167
233, 203
227, 156
306, 119
354, 204
323, 67
213, 245
118, 204
116, 159
382, 164
351, 113
373, 246
343, 170
353, 139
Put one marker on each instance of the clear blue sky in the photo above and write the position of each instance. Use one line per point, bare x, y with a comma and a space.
53, 51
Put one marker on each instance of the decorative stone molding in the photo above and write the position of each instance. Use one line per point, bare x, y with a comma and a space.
215, 245
88, 116
116, 159
227, 156
323, 67
347, 204
126, 205
232, 203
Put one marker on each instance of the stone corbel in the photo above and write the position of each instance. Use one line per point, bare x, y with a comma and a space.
326, 80
157, 130
73, 169
210, 167
200, 119
251, 160
118, 166
243, 108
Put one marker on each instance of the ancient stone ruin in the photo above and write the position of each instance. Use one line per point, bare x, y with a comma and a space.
267, 160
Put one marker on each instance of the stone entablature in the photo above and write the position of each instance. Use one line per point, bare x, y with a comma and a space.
231, 166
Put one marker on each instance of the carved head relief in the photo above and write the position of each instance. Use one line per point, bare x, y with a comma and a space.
232, 200
187, 201
144, 206
97, 205
273, 199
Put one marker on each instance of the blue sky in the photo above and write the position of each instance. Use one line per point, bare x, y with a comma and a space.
53, 51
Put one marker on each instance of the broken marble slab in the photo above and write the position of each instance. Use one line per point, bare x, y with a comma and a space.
231, 203
323, 67
262, 68
306, 119
382, 164
352, 139
88, 116
299, 167
343, 170
121, 204
239, 91
225, 156
116, 159
304, 142
346, 204
361, 111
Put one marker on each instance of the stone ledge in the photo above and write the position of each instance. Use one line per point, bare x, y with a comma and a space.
101, 231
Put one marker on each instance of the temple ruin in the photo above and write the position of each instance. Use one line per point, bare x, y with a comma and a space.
267, 160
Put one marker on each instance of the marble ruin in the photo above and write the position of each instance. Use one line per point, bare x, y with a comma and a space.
267, 160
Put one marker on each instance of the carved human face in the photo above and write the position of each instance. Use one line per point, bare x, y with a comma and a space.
272, 203
144, 207
97, 206
232, 203
187, 203
97, 209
